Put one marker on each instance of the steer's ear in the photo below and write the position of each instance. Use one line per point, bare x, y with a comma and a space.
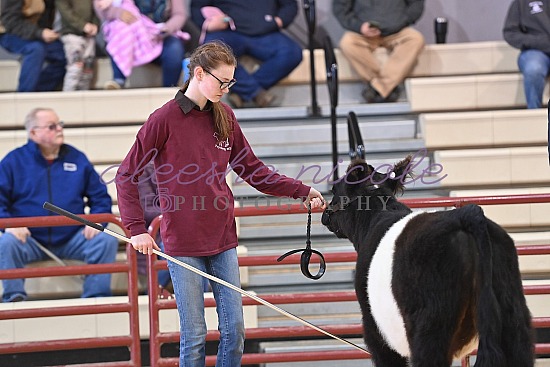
398, 175
357, 171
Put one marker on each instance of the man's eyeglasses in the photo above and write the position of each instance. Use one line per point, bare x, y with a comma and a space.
51, 127
223, 84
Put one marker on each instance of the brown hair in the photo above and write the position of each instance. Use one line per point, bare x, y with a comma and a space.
210, 56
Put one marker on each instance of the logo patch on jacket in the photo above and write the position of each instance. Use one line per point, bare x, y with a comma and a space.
222, 144
70, 167
536, 7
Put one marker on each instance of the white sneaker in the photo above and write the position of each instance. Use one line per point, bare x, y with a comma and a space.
111, 85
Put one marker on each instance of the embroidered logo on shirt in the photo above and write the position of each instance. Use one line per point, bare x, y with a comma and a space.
70, 167
536, 7
222, 144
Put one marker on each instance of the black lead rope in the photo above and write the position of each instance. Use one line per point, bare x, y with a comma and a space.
307, 252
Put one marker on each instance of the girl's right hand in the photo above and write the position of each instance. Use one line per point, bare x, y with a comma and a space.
144, 243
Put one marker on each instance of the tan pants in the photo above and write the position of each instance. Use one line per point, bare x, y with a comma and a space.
403, 50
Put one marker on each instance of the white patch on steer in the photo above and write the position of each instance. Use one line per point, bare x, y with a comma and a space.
382, 302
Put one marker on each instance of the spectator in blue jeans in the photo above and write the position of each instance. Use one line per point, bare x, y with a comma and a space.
26, 30
46, 169
527, 28
253, 28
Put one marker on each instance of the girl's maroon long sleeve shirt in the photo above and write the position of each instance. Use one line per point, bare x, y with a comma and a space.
191, 165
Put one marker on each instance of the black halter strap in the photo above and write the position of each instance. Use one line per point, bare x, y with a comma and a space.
307, 252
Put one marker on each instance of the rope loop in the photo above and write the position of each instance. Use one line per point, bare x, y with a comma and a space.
305, 259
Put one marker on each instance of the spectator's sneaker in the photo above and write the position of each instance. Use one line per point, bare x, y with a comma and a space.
165, 293
264, 99
371, 95
111, 85
235, 100
17, 298
394, 95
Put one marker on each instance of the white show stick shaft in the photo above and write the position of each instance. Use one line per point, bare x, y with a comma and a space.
99, 227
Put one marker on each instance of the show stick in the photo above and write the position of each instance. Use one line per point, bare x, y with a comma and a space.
60, 211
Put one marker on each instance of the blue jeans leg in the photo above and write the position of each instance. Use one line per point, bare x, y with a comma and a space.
278, 54
53, 74
173, 53
118, 76
535, 66
189, 292
101, 249
15, 255
34, 74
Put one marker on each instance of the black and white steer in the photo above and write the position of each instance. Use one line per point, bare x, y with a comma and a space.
432, 286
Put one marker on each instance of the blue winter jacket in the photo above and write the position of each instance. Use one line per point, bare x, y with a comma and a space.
27, 180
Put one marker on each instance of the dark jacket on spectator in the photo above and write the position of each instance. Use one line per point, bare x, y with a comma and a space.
74, 15
527, 25
251, 17
27, 18
27, 180
391, 16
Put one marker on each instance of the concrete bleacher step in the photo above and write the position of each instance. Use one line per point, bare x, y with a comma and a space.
96, 325
485, 129
470, 92
102, 145
435, 59
133, 106
513, 166
306, 137
86, 107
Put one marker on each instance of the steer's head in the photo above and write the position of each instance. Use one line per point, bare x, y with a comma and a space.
362, 193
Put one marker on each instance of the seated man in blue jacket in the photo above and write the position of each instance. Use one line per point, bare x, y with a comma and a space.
253, 28
46, 169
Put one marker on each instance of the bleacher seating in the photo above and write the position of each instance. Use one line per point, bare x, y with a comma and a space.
488, 129
98, 325
436, 59
464, 103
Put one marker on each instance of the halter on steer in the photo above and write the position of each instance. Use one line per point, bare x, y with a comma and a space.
58, 210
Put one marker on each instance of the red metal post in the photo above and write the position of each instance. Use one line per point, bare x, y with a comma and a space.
132, 341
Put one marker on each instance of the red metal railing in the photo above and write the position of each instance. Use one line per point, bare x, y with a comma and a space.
156, 304
132, 341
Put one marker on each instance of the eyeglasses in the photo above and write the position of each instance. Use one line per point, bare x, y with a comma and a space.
223, 84
52, 127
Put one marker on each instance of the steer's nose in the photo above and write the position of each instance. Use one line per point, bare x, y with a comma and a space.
325, 218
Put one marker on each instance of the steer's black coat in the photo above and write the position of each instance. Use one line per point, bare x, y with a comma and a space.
455, 275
